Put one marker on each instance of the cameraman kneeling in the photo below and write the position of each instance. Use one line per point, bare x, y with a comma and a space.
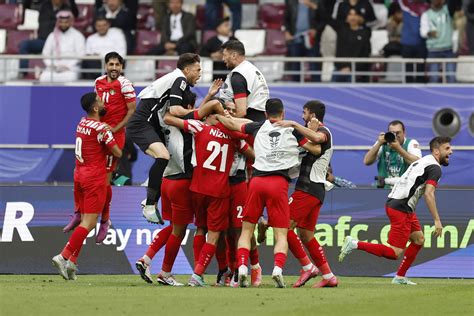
394, 152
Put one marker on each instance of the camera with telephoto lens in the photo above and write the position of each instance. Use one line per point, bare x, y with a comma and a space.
389, 137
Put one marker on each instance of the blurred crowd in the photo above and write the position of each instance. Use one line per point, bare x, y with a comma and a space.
415, 29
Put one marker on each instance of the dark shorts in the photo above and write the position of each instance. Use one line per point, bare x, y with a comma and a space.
255, 115
141, 131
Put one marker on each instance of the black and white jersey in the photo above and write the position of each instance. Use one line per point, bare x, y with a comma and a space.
180, 148
314, 168
167, 90
246, 80
411, 186
276, 148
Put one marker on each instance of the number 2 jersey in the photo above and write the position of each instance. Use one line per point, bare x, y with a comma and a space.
411, 186
212, 158
93, 142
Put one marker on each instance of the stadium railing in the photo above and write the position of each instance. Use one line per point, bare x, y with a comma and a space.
143, 69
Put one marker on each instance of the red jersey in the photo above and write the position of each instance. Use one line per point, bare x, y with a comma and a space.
92, 143
116, 95
212, 158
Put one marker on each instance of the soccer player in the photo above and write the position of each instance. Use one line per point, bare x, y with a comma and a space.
176, 198
276, 151
145, 125
306, 201
213, 157
118, 95
420, 179
245, 84
93, 143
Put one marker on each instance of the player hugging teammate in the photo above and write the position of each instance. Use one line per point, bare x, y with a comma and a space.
218, 166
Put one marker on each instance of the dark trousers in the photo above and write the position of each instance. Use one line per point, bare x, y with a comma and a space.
88, 65
414, 51
30, 47
298, 49
213, 9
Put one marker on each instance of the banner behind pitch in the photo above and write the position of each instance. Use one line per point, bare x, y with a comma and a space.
31, 219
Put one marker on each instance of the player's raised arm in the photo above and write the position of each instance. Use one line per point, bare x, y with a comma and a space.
213, 89
231, 123
172, 120
310, 134
313, 148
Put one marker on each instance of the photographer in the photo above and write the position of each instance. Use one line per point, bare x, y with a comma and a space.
394, 152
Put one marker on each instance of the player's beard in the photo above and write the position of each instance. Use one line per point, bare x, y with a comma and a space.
102, 112
113, 75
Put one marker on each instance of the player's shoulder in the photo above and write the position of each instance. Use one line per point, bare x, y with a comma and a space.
124, 81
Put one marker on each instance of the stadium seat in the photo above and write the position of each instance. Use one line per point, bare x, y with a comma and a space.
145, 17
271, 16
30, 20
3, 41
249, 16
273, 70
394, 71
85, 19
206, 35
146, 40
10, 16
14, 38
165, 66
378, 40
275, 43
200, 17
207, 66
254, 41
140, 70
465, 71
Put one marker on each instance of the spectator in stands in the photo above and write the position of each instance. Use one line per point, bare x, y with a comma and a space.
213, 8
65, 40
105, 40
159, 8
353, 40
304, 24
394, 30
122, 15
413, 45
178, 32
394, 155
46, 21
365, 9
468, 9
436, 27
212, 47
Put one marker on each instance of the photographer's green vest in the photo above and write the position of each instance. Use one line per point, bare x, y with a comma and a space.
391, 163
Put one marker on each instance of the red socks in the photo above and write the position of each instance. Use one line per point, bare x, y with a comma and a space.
377, 249
296, 248
221, 257
242, 257
106, 211
198, 243
159, 241
207, 253
254, 256
280, 259
74, 245
408, 258
171, 251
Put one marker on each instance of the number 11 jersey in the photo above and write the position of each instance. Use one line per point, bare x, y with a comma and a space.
213, 154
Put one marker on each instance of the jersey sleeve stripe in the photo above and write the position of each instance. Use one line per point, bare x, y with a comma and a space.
303, 141
432, 182
175, 96
240, 96
194, 126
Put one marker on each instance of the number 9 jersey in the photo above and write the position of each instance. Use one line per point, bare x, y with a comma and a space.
92, 143
213, 154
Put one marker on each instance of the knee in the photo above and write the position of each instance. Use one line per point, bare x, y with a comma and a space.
419, 240
305, 237
398, 252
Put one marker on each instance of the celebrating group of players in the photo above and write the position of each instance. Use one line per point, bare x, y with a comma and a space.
219, 166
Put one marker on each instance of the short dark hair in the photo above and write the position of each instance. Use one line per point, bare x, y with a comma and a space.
101, 18
87, 101
235, 46
436, 142
397, 122
187, 59
317, 108
274, 107
113, 55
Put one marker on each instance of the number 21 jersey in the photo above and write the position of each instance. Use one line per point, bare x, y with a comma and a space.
212, 158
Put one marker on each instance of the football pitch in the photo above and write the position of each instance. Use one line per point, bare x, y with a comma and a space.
128, 294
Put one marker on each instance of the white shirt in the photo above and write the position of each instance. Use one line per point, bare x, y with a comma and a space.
112, 41
71, 43
176, 27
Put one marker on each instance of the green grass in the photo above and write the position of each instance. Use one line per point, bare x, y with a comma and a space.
128, 294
